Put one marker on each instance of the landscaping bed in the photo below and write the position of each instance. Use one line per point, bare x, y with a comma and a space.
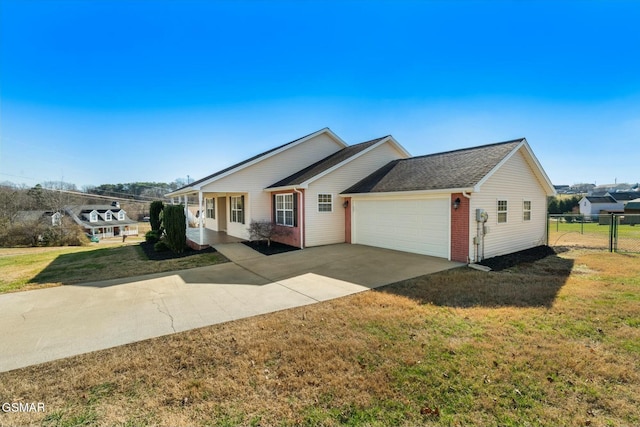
273, 249
151, 253
528, 255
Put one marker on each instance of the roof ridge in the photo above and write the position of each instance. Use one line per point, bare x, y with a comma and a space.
466, 149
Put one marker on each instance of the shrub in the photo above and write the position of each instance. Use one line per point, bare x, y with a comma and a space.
160, 246
152, 236
266, 230
175, 227
155, 210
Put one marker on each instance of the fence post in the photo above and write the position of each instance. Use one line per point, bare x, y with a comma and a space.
616, 219
610, 232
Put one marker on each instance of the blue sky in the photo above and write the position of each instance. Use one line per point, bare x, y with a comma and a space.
97, 92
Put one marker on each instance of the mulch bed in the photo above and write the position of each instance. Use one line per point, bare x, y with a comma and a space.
528, 255
275, 248
150, 253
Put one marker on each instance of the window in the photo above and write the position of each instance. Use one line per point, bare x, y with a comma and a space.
93, 216
121, 216
284, 209
211, 208
502, 211
325, 203
237, 209
108, 215
526, 210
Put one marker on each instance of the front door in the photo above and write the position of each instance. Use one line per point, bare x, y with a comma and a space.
222, 213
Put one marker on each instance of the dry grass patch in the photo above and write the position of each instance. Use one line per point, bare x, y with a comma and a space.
533, 345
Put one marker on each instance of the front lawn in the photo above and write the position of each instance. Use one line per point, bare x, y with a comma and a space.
553, 342
33, 268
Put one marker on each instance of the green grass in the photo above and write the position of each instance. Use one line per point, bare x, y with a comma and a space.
32, 268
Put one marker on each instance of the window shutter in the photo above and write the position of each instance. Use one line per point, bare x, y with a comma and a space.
242, 208
295, 209
273, 209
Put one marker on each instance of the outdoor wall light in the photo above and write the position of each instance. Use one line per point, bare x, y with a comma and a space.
345, 204
456, 203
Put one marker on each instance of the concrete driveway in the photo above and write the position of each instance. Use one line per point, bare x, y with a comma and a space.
47, 324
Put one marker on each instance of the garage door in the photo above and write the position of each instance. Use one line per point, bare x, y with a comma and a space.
418, 226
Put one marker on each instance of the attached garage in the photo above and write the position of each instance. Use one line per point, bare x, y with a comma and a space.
411, 225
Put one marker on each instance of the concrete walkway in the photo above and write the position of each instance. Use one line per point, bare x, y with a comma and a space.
47, 324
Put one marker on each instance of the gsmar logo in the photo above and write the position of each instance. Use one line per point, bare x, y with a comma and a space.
23, 407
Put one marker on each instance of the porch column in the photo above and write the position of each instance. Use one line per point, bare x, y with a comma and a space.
201, 217
186, 210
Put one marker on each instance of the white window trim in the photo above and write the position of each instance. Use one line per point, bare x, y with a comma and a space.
498, 211
525, 210
238, 213
284, 209
108, 216
329, 203
93, 216
121, 215
210, 205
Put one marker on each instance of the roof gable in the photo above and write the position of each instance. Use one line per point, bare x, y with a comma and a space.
333, 161
458, 169
255, 159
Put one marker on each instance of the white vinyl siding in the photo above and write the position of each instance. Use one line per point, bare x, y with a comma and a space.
253, 180
284, 209
412, 225
325, 228
514, 182
325, 203
121, 216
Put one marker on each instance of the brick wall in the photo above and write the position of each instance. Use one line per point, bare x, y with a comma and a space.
460, 229
292, 234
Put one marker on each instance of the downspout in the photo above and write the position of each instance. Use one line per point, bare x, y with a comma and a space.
301, 213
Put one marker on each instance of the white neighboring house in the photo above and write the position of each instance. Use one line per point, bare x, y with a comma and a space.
591, 206
103, 221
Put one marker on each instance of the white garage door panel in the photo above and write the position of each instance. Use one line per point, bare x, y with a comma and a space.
418, 226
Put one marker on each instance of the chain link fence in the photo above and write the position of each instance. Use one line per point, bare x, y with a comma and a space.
612, 232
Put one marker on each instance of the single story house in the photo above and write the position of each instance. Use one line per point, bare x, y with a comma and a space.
462, 205
594, 205
103, 220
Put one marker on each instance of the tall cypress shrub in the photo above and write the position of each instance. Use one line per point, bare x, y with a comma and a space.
154, 215
175, 227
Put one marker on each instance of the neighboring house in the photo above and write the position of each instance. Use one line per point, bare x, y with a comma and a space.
103, 220
624, 196
632, 207
594, 205
47, 218
325, 191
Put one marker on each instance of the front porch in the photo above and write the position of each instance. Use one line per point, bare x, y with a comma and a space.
202, 238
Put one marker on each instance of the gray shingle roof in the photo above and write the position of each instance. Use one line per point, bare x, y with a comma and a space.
623, 196
601, 199
452, 169
324, 164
